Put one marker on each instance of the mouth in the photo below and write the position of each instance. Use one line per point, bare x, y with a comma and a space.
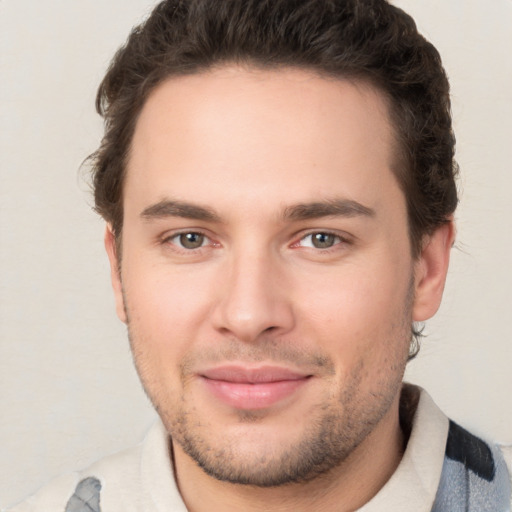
253, 388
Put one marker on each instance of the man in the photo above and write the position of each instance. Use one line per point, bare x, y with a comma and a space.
278, 183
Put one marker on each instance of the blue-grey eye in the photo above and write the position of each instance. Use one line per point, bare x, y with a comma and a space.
323, 240
191, 240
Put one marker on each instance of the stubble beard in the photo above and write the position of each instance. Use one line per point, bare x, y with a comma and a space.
337, 426
324, 445
340, 425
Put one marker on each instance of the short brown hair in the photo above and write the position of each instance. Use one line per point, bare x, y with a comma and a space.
368, 40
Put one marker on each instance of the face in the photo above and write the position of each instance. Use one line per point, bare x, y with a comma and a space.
267, 278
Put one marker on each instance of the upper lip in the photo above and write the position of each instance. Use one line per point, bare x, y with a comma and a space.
259, 375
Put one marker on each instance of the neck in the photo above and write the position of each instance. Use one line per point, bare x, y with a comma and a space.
345, 488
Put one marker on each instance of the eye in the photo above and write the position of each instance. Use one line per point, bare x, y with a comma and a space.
320, 240
191, 240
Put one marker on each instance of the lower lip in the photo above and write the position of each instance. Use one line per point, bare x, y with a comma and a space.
253, 396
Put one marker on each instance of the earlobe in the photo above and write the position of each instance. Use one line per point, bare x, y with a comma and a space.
430, 271
115, 272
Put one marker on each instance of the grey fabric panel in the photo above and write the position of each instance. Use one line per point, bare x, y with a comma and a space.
491, 496
475, 454
462, 490
86, 497
452, 493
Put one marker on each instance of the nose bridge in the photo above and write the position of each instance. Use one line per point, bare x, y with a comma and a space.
253, 299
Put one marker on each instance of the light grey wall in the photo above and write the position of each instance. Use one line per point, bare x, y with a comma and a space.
68, 390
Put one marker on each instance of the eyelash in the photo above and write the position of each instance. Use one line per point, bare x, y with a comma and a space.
169, 240
339, 240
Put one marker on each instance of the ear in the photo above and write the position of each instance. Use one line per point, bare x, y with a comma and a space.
430, 271
115, 272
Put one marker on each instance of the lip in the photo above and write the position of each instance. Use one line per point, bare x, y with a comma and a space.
252, 388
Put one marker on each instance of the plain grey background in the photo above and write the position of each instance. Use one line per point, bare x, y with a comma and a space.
69, 393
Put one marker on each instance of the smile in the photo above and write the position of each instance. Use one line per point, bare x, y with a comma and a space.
252, 388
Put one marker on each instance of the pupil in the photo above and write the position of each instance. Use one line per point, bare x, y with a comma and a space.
323, 240
191, 240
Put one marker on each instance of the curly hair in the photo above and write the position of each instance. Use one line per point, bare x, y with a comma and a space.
366, 40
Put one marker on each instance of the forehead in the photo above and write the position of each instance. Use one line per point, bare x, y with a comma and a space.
287, 134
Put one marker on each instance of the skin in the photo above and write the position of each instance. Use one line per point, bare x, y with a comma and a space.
238, 156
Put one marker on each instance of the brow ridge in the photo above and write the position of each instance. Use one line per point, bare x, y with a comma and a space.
173, 208
333, 207
302, 211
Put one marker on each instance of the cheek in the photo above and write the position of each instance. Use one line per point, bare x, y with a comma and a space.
158, 296
355, 300
362, 318
165, 313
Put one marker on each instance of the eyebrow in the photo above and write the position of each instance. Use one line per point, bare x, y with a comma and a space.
302, 211
168, 208
330, 208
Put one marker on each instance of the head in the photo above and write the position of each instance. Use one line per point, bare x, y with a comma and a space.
278, 179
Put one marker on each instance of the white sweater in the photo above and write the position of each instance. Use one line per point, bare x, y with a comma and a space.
142, 479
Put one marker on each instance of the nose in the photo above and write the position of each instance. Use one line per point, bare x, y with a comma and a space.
255, 299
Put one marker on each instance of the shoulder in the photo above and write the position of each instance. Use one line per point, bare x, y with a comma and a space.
114, 478
54, 496
462, 467
140, 478
475, 474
